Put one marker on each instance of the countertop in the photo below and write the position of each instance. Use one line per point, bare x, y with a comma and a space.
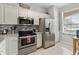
75, 38
2, 37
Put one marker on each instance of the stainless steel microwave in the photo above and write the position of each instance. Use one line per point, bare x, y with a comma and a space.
23, 20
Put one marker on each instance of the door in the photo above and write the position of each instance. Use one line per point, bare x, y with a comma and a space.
23, 12
34, 15
39, 39
1, 14
46, 38
10, 14
12, 45
52, 32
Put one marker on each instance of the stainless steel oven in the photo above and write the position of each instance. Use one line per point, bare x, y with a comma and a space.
26, 38
27, 41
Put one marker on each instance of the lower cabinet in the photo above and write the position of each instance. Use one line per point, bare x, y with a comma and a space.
9, 46
12, 46
2, 48
39, 39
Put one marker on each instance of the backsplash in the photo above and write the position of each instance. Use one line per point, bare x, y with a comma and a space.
15, 28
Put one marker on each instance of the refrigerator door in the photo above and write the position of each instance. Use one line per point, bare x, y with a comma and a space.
51, 26
46, 40
52, 39
47, 21
52, 34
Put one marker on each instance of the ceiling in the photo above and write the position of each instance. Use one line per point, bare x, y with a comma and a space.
46, 5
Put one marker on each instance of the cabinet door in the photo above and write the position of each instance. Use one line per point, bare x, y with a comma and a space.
2, 48
23, 12
34, 15
36, 21
12, 45
39, 39
1, 14
10, 14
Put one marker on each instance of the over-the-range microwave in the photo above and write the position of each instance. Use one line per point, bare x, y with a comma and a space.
23, 20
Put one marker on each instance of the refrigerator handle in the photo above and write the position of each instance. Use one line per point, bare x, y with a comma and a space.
49, 28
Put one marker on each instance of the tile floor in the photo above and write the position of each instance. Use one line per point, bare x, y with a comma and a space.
62, 48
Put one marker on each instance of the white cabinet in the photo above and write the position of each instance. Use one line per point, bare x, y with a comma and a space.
36, 16
3, 47
1, 14
10, 14
12, 45
39, 39
9, 45
23, 12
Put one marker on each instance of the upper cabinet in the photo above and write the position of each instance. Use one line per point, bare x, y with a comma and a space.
23, 12
1, 14
36, 16
23, 9
8, 14
11, 14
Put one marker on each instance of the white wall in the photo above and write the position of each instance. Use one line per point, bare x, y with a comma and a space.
56, 17
37, 8
51, 11
70, 7
61, 25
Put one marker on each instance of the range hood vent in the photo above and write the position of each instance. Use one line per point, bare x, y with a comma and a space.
23, 5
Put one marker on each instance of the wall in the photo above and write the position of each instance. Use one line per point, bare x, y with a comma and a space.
51, 11
36, 8
70, 7
60, 25
56, 17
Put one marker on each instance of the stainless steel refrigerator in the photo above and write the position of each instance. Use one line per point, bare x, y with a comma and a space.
47, 28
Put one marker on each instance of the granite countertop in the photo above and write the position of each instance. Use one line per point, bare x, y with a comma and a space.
2, 37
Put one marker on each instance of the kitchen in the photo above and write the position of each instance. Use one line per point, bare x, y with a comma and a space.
29, 28
18, 20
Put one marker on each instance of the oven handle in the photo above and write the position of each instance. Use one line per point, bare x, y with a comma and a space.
26, 36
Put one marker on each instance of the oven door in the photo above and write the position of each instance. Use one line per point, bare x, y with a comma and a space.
25, 41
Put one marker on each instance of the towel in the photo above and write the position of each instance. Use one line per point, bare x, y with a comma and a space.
29, 38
